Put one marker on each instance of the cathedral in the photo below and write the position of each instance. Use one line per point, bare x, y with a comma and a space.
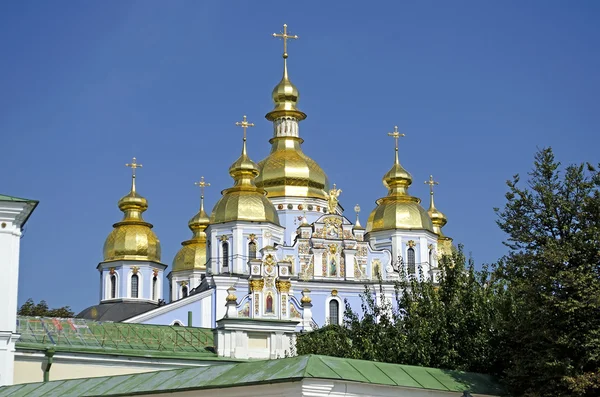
275, 246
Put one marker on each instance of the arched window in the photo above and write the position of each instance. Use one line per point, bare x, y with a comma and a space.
184, 291
154, 286
113, 286
225, 246
334, 312
410, 256
251, 250
430, 257
134, 285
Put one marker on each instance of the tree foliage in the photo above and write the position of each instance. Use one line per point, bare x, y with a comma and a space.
445, 325
30, 308
534, 319
551, 322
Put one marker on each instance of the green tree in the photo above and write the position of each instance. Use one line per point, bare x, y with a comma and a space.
449, 324
551, 317
30, 308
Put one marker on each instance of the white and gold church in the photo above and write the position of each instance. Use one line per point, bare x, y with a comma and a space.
276, 244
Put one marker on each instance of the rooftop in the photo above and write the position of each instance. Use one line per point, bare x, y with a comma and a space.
4, 197
269, 371
87, 336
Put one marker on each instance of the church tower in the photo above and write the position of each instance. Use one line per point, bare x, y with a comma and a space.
400, 224
14, 213
294, 182
189, 265
439, 220
242, 224
131, 270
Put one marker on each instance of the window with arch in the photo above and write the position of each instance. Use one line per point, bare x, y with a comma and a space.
334, 312
251, 250
430, 257
113, 286
154, 287
225, 247
410, 257
135, 281
184, 291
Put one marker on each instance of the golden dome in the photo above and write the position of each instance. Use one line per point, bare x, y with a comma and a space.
398, 210
192, 255
244, 201
287, 171
132, 238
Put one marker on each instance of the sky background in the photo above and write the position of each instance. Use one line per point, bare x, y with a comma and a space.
476, 86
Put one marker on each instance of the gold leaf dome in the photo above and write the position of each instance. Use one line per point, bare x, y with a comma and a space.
438, 219
244, 201
398, 210
132, 238
287, 171
192, 255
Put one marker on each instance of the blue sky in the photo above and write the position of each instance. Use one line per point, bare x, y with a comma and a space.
476, 86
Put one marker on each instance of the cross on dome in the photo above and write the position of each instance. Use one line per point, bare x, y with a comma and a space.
244, 124
133, 165
202, 184
285, 36
431, 183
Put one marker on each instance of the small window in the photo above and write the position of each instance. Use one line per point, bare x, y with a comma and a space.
252, 250
334, 312
134, 285
184, 291
430, 257
113, 286
225, 246
154, 285
410, 256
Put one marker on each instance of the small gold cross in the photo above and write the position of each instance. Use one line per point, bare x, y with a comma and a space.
285, 36
431, 183
244, 124
202, 184
396, 135
133, 166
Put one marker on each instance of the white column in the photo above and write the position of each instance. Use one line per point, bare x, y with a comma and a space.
12, 215
318, 262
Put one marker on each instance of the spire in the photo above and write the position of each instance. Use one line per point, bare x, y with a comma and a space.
285, 94
438, 219
132, 204
244, 170
397, 179
202, 184
357, 225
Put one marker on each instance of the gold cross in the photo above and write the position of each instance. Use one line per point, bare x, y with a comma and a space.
244, 124
202, 184
396, 135
133, 166
431, 183
285, 36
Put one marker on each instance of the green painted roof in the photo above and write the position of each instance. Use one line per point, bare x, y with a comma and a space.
4, 197
87, 336
261, 372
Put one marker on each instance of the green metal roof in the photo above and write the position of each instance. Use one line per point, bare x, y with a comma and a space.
261, 372
4, 197
87, 336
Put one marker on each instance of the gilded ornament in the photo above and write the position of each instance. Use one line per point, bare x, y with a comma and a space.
252, 237
269, 260
280, 207
334, 292
305, 296
183, 283
135, 269
155, 272
283, 286
300, 207
231, 295
332, 248
111, 270
411, 243
223, 238
332, 199
257, 285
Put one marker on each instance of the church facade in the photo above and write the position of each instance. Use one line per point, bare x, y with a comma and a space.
276, 246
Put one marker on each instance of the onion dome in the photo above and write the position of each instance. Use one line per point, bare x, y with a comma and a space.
398, 210
132, 238
287, 171
192, 255
438, 219
244, 201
